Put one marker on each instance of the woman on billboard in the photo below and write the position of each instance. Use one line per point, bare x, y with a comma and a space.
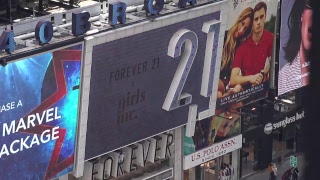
236, 35
295, 72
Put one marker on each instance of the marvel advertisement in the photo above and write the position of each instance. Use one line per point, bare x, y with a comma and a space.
246, 56
295, 44
210, 131
38, 114
144, 84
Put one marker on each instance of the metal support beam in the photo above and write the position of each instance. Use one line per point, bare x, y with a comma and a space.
40, 8
71, 2
8, 14
64, 5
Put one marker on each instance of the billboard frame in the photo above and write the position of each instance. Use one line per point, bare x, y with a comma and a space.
126, 31
17, 55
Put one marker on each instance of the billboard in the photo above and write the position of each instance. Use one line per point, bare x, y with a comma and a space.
295, 44
143, 84
38, 114
210, 131
212, 152
245, 62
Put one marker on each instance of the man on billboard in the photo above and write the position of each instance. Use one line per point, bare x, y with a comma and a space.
295, 72
252, 60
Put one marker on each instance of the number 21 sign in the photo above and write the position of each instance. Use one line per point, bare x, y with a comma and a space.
175, 98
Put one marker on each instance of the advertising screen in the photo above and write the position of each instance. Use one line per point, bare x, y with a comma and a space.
295, 44
38, 114
143, 84
211, 130
246, 56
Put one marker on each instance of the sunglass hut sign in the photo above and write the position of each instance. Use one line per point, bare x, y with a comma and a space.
288, 120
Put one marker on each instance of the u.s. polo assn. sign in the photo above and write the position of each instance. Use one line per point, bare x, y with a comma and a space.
212, 152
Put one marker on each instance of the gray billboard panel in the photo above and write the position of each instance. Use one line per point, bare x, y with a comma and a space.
131, 77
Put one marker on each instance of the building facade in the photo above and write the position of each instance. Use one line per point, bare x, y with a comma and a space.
144, 90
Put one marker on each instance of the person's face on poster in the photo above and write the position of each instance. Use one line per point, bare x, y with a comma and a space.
243, 27
306, 27
259, 18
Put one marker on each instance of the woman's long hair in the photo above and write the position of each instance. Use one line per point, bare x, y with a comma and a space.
232, 42
292, 46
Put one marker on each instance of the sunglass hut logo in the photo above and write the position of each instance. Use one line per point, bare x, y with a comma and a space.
288, 120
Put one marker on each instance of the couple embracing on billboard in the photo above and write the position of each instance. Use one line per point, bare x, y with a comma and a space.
245, 65
246, 58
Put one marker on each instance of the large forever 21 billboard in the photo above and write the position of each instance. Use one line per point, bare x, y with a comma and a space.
145, 84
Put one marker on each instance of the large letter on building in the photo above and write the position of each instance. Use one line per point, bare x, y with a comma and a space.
7, 41
117, 13
44, 31
80, 23
153, 9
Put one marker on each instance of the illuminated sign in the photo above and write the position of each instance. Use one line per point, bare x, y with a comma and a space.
295, 46
283, 123
38, 114
245, 67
